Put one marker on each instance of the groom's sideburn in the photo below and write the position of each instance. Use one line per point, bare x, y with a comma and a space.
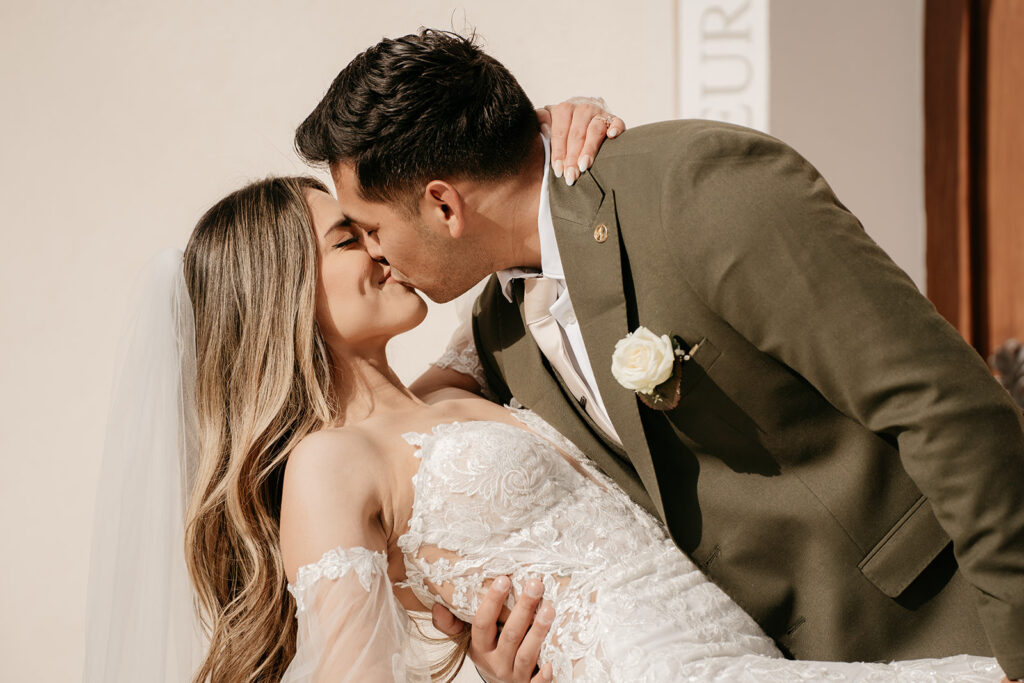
821, 378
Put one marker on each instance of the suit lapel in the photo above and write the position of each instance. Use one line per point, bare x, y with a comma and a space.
593, 272
533, 354
531, 381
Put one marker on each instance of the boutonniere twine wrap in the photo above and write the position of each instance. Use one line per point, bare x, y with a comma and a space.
651, 365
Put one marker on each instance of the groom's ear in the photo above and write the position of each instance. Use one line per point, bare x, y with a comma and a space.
445, 207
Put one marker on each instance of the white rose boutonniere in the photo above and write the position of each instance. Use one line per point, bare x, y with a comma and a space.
650, 365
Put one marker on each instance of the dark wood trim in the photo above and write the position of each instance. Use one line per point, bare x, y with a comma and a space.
977, 135
974, 166
1002, 171
947, 161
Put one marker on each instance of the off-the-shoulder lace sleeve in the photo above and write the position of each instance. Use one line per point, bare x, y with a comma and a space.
461, 355
351, 626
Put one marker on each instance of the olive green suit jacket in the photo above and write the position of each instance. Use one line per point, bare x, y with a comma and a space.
834, 432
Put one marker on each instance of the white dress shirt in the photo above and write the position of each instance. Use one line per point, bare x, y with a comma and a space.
561, 310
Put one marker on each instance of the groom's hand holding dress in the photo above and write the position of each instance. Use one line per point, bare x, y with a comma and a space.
505, 645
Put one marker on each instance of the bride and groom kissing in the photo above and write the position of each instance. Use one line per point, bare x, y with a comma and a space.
813, 436
832, 434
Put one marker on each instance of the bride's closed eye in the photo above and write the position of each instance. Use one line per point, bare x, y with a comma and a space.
345, 243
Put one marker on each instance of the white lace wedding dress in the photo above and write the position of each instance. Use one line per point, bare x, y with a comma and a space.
495, 499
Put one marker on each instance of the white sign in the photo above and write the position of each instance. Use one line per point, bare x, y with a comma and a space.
723, 61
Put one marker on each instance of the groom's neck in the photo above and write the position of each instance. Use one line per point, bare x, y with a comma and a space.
514, 208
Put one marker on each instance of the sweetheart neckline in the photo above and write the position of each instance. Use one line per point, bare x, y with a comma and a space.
417, 440
441, 429
436, 430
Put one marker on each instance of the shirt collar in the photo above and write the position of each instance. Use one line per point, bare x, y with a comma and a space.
550, 260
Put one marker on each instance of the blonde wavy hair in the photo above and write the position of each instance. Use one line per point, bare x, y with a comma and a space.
264, 381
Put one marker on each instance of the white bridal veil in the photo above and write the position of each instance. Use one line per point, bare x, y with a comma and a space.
141, 620
141, 623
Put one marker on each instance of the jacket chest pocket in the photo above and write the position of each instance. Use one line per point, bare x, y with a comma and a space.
710, 422
702, 356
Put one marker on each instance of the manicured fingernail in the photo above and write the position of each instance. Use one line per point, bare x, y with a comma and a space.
584, 162
545, 615
556, 166
534, 588
545, 130
571, 174
612, 132
500, 584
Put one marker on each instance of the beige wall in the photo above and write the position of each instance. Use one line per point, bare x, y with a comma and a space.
846, 91
121, 123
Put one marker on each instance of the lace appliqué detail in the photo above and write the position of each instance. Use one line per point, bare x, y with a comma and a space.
461, 356
335, 563
494, 499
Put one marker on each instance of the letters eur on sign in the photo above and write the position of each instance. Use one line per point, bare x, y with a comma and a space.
723, 56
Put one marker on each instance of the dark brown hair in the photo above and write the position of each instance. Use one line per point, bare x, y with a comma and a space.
424, 106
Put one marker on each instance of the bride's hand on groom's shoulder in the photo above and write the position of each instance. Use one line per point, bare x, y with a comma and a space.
509, 653
577, 128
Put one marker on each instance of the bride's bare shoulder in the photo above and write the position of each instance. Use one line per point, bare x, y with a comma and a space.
331, 496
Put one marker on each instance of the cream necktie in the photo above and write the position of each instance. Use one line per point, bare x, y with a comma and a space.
539, 294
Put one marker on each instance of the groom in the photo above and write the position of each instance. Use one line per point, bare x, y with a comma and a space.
839, 460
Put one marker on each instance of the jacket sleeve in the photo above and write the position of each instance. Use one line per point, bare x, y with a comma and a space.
764, 241
351, 627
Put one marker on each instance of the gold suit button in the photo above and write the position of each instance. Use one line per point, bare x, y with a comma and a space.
601, 233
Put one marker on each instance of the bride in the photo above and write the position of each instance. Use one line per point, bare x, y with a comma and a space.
331, 502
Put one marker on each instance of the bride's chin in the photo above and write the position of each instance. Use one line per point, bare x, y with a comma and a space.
411, 318
419, 314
